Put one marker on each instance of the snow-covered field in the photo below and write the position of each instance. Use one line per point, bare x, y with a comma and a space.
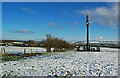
12, 49
72, 63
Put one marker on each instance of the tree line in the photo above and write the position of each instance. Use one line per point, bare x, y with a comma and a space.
50, 42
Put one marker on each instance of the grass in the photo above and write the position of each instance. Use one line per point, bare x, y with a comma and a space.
6, 58
33, 54
64, 50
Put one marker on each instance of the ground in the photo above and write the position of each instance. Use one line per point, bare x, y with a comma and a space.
70, 63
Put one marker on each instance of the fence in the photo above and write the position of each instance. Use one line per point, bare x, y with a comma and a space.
21, 50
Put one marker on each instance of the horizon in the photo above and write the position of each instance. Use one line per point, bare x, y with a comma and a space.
67, 41
32, 21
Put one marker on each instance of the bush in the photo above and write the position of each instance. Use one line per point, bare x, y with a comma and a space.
56, 43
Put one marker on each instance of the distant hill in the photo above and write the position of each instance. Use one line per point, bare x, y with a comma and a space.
4, 41
112, 44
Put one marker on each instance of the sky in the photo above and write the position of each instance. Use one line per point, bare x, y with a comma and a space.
60, 0
67, 20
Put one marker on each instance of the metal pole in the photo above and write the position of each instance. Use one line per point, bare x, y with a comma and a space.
87, 23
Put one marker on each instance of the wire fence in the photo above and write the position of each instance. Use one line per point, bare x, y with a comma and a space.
16, 50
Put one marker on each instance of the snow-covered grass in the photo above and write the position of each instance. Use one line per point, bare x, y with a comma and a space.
12, 49
65, 63
109, 49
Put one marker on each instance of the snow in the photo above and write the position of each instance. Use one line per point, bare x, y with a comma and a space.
12, 49
72, 63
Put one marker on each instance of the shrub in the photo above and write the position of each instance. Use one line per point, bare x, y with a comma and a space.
56, 43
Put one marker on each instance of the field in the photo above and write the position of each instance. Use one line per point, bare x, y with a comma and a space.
70, 63
13, 50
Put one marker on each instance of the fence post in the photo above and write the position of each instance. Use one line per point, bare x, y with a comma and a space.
25, 51
31, 50
3, 51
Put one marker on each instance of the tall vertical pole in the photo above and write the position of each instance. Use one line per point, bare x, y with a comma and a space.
87, 23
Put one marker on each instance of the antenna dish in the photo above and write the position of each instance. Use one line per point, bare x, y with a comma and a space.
89, 23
